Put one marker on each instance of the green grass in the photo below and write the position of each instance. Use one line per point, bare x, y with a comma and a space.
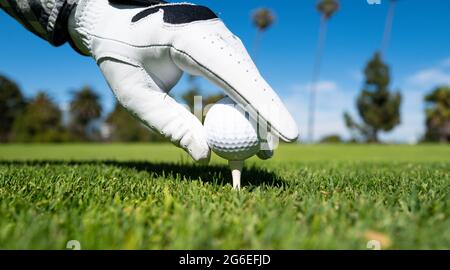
154, 197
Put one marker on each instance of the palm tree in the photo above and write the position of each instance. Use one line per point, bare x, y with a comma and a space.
12, 104
84, 108
438, 115
39, 122
262, 18
388, 27
326, 8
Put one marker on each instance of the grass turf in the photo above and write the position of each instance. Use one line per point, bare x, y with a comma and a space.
154, 197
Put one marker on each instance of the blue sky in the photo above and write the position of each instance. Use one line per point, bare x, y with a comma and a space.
419, 57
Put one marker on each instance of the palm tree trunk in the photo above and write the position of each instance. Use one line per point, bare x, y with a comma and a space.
388, 27
315, 76
257, 44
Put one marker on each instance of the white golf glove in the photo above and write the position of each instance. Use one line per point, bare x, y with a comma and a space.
143, 49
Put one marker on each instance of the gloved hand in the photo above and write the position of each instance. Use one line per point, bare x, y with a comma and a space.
143, 49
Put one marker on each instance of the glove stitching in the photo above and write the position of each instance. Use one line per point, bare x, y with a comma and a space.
174, 26
118, 57
127, 60
229, 86
90, 13
187, 54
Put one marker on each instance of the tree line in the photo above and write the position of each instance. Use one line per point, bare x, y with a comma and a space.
41, 120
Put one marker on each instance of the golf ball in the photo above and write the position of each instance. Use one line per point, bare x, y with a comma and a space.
230, 132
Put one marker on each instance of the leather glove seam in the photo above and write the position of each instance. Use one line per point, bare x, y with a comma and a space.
198, 63
133, 62
175, 26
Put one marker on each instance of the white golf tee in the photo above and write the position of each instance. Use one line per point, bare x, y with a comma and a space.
236, 169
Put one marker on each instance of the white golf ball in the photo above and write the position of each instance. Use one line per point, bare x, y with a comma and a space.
230, 132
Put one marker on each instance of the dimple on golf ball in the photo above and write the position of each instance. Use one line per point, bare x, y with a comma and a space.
230, 132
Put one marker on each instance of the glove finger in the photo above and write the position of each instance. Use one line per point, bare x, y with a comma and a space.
211, 50
136, 90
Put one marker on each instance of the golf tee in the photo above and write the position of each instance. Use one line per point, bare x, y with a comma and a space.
236, 169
